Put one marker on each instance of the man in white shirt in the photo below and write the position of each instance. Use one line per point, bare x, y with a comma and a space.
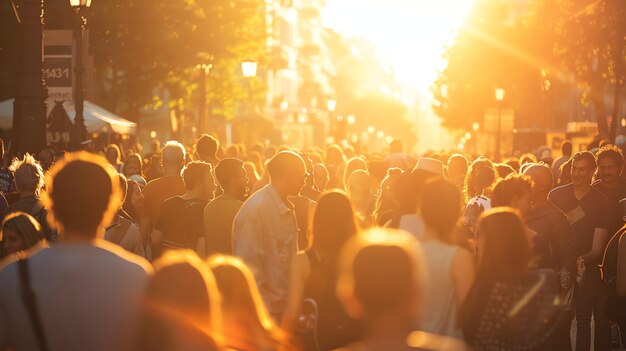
86, 290
265, 232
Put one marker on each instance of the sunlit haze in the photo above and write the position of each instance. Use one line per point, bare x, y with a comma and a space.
411, 34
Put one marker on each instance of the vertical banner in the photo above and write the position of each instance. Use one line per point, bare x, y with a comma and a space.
57, 66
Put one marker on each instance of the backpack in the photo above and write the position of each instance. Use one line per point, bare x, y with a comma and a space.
615, 307
119, 232
40, 214
323, 324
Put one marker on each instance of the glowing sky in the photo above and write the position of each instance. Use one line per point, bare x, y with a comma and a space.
410, 33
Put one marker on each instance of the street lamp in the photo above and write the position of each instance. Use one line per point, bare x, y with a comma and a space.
248, 69
204, 69
79, 130
331, 105
500, 93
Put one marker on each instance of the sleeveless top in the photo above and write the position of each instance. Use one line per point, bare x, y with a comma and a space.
334, 327
439, 315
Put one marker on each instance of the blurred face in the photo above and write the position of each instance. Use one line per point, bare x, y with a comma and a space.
608, 170
208, 186
13, 242
111, 156
132, 167
297, 179
522, 203
321, 178
136, 196
240, 184
582, 172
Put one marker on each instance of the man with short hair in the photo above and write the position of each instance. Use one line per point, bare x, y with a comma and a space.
220, 213
206, 148
179, 223
566, 149
587, 211
611, 183
86, 290
265, 231
171, 183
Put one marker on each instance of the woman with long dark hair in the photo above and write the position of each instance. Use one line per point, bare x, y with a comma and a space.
313, 277
510, 306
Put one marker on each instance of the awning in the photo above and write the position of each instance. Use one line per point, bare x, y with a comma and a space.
97, 119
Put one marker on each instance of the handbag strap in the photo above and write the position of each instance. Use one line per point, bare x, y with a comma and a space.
30, 302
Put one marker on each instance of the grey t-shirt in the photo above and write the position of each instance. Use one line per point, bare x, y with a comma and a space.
88, 296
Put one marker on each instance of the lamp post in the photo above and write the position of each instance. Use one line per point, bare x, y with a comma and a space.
499, 92
203, 115
248, 69
79, 130
29, 106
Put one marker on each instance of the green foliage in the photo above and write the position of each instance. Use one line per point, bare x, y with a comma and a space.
498, 47
538, 54
142, 45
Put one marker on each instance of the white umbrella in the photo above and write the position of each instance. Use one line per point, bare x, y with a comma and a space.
97, 119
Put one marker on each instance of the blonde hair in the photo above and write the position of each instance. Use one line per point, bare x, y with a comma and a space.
28, 173
365, 249
240, 294
181, 291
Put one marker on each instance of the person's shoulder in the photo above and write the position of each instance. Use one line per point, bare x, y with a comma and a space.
127, 261
598, 195
256, 200
559, 190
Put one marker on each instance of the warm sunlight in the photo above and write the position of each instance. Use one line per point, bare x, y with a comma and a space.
410, 33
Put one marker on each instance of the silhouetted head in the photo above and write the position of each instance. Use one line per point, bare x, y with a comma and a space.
232, 177
206, 147
287, 170
381, 275
502, 246
515, 191
20, 231
333, 224
83, 194
173, 156
440, 207
181, 304
28, 174
198, 176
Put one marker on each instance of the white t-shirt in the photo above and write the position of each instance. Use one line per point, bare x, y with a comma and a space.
88, 296
411, 223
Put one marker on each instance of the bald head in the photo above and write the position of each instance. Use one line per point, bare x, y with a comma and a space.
541, 176
284, 164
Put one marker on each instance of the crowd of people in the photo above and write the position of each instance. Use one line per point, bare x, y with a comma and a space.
208, 247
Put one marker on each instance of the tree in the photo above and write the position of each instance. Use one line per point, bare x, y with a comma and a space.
592, 45
498, 46
141, 45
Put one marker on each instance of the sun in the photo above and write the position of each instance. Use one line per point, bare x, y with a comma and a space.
411, 34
